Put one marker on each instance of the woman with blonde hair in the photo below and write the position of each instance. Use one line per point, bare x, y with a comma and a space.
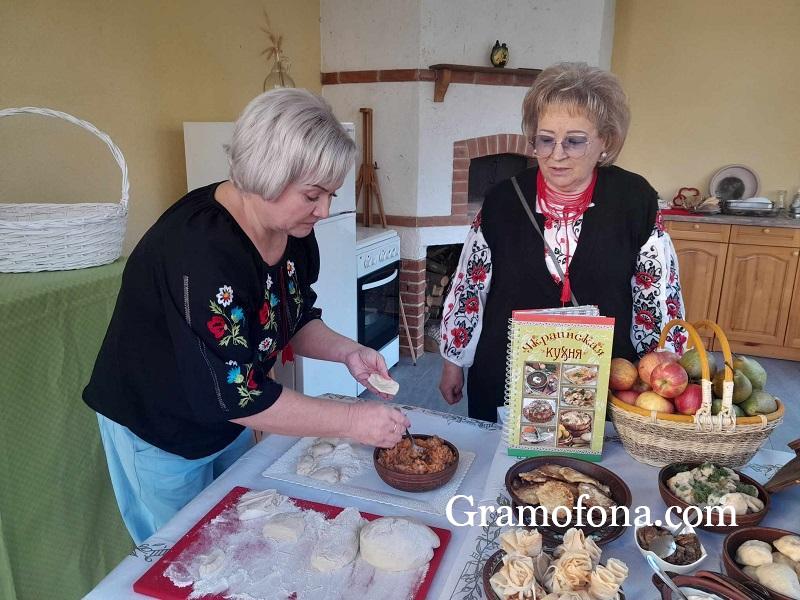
595, 238
213, 294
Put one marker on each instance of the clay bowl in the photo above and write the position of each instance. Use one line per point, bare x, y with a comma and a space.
723, 524
493, 565
414, 482
620, 492
735, 539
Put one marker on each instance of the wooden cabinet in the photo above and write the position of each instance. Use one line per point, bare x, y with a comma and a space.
747, 279
755, 301
701, 265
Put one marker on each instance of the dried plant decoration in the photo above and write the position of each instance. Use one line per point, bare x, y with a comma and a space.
278, 77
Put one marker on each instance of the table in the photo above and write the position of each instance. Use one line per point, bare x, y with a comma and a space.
459, 577
60, 528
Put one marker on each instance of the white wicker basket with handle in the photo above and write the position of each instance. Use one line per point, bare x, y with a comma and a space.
57, 237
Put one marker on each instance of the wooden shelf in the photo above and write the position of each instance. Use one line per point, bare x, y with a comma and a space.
447, 74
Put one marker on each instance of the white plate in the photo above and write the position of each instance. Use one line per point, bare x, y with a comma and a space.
367, 484
734, 182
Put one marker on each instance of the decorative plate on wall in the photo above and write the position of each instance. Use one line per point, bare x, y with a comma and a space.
734, 182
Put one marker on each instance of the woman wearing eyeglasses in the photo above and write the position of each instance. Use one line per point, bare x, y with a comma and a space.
599, 221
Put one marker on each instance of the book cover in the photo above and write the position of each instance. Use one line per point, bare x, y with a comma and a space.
557, 382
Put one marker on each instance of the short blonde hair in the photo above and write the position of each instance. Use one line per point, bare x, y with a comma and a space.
583, 89
288, 136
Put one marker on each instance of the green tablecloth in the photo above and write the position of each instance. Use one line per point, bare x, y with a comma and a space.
60, 529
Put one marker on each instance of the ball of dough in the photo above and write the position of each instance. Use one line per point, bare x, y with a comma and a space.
789, 545
387, 386
327, 474
754, 553
397, 544
305, 465
285, 527
337, 546
320, 449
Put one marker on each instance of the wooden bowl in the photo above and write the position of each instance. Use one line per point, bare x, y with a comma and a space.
620, 492
735, 539
723, 525
415, 482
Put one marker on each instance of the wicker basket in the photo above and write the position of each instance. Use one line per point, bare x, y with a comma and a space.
57, 237
660, 438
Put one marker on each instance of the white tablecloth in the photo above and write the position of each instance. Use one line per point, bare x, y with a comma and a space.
459, 575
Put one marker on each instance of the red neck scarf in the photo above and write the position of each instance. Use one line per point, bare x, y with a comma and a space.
565, 208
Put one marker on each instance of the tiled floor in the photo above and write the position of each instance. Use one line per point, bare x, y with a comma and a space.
419, 387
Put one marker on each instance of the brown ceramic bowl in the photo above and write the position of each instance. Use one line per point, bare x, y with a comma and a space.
414, 482
723, 525
620, 492
493, 565
732, 542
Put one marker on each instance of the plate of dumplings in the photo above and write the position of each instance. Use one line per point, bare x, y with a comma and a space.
766, 555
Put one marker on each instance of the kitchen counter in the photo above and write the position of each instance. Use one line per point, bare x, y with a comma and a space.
778, 221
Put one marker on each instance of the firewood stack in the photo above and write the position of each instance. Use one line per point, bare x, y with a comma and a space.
441, 263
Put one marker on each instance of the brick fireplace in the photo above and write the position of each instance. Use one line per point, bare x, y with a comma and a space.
433, 113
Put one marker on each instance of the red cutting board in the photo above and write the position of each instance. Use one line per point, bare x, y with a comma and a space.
154, 583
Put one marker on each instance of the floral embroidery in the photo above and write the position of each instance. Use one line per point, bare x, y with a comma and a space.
266, 344
225, 295
476, 222
290, 268
246, 385
269, 281
226, 328
294, 288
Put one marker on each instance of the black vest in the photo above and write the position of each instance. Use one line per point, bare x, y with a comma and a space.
613, 231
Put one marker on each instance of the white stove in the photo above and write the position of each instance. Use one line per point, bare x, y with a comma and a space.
375, 248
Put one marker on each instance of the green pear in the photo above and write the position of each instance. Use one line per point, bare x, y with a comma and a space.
690, 361
716, 406
742, 388
759, 403
752, 370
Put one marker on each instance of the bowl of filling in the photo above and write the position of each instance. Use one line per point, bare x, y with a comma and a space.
709, 486
687, 551
429, 467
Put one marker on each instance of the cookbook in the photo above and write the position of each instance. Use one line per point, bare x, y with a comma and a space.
557, 372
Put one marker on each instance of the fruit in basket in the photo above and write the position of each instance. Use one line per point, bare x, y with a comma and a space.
742, 388
691, 362
759, 403
652, 401
716, 407
651, 360
627, 396
623, 374
688, 401
752, 370
640, 386
669, 379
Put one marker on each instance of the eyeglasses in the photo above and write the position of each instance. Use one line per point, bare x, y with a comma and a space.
574, 146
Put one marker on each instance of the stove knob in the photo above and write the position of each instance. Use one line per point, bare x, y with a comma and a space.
382, 255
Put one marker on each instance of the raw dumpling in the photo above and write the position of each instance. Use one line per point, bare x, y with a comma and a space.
211, 563
789, 545
285, 527
259, 503
337, 546
327, 474
779, 578
618, 569
750, 572
397, 543
754, 553
305, 465
516, 579
386, 386
520, 542
571, 571
603, 584
779, 557
320, 449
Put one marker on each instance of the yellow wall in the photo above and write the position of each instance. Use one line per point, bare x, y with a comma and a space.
137, 70
711, 82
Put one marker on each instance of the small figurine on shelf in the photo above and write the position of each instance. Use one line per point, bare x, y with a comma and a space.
499, 54
278, 77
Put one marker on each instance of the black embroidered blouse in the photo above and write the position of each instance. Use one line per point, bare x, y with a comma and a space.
199, 321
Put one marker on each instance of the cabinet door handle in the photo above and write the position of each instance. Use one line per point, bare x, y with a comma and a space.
696, 226
796, 253
766, 230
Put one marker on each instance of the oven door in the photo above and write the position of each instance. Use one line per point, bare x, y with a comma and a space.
378, 306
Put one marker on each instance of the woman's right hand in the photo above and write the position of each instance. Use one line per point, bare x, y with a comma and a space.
451, 384
376, 424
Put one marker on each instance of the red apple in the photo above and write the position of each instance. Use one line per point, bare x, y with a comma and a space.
669, 379
623, 374
627, 396
652, 401
689, 400
649, 362
640, 386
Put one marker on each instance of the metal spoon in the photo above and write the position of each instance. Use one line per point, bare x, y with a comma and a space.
665, 545
663, 576
414, 448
